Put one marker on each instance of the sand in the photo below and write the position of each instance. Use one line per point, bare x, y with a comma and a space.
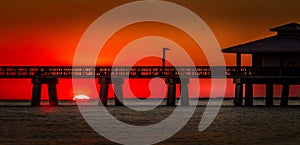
233, 125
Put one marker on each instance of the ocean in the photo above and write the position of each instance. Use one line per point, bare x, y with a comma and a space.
259, 101
22, 124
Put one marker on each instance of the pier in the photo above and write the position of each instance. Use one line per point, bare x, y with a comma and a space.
275, 61
244, 75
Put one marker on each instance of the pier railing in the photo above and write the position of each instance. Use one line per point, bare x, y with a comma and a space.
145, 71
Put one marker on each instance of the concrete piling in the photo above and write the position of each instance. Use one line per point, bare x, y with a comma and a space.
184, 92
269, 94
238, 99
37, 83
104, 93
118, 91
285, 95
171, 98
52, 91
104, 85
249, 95
36, 94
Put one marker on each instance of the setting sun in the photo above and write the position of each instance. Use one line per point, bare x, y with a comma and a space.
81, 97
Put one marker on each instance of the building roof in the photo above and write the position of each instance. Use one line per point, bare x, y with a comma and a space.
287, 40
292, 27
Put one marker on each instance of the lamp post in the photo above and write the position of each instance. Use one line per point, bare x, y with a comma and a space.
164, 60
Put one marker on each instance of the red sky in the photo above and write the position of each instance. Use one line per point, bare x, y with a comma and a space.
47, 32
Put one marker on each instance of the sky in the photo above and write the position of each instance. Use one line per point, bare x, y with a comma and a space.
47, 32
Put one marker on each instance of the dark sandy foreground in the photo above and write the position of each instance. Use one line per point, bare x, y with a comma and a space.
65, 125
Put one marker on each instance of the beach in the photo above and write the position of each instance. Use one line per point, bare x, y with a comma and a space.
233, 125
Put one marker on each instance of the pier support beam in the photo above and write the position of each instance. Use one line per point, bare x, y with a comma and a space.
37, 83
52, 91
269, 95
104, 85
238, 98
118, 91
249, 95
285, 95
36, 94
184, 92
171, 98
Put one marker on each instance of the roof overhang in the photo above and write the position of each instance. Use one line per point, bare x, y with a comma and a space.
287, 40
274, 44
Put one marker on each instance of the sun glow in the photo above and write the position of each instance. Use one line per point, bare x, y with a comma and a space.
81, 97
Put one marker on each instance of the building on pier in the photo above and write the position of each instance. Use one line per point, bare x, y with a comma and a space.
278, 52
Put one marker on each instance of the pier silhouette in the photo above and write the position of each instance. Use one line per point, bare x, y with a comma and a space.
245, 74
278, 55
274, 61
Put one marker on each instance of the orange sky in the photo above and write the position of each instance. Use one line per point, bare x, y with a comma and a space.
47, 32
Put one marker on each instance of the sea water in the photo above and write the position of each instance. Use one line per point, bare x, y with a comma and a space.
259, 125
147, 102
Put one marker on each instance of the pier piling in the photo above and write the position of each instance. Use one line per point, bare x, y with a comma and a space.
285, 95
269, 94
104, 93
37, 83
249, 95
184, 92
36, 94
238, 98
171, 98
52, 91
118, 91
104, 85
